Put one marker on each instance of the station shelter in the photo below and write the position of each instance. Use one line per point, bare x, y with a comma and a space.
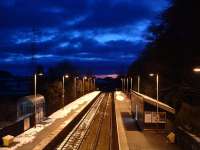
29, 105
149, 112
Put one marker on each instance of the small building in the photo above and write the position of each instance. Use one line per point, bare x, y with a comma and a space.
148, 112
30, 104
26, 111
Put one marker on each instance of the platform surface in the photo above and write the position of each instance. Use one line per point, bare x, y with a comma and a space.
136, 139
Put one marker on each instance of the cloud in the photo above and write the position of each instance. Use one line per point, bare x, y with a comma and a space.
96, 33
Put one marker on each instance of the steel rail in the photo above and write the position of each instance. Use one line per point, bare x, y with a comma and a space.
76, 136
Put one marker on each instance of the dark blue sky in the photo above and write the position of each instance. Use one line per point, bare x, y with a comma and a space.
104, 36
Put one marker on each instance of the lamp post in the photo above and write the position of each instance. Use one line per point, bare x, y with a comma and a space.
94, 83
88, 87
84, 78
63, 93
157, 88
75, 88
131, 83
90, 84
35, 82
127, 84
122, 83
196, 69
35, 94
138, 83
124, 80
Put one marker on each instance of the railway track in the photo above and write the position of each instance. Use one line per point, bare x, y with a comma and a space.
100, 133
94, 130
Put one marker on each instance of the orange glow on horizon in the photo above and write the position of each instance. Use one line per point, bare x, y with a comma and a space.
114, 76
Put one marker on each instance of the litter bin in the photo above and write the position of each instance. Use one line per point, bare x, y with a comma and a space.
7, 140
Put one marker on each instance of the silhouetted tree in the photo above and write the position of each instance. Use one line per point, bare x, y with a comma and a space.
174, 50
173, 53
40, 69
61, 69
5, 74
53, 93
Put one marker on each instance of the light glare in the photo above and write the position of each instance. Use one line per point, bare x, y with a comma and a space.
151, 74
196, 69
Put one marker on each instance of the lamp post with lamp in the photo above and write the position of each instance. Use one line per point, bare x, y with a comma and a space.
157, 89
94, 83
35, 94
131, 84
138, 78
75, 86
63, 89
196, 69
84, 78
122, 83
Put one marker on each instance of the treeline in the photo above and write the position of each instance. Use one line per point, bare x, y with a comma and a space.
173, 52
50, 85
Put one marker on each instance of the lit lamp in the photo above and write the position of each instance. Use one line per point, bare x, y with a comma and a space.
197, 69
75, 88
63, 95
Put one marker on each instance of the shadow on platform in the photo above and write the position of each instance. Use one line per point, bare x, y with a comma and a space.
129, 122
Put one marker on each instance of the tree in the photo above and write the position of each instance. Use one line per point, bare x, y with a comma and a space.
53, 97
54, 89
174, 50
5, 74
61, 69
173, 53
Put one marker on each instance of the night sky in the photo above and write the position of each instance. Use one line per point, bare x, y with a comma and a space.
103, 36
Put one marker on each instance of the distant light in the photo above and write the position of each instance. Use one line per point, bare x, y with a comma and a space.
85, 78
151, 74
196, 69
40, 74
66, 76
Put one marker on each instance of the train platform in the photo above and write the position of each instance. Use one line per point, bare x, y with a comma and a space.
130, 137
42, 136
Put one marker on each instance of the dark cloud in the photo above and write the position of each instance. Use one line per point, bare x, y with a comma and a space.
37, 13
108, 15
98, 34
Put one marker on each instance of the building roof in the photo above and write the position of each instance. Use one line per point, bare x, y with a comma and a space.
154, 102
